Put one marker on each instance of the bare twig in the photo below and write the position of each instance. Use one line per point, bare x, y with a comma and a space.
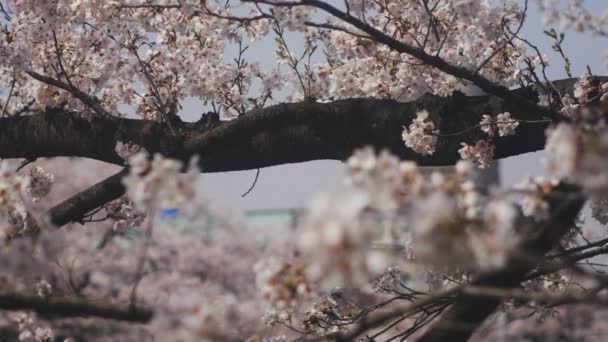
255, 180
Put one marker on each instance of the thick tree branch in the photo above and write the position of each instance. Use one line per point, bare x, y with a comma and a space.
280, 134
284, 133
76, 207
72, 307
57, 133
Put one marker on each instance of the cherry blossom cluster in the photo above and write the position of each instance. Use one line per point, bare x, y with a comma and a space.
481, 153
39, 183
159, 183
578, 155
326, 314
360, 67
440, 222
202, 284
43, 288
280, 282
421, 135
123, 54
577, 150
440, 217
573, 14
586, 90
13, 210
124, 214
293, 18
533, 189
503, 124
153, 56
126, 150
29, 332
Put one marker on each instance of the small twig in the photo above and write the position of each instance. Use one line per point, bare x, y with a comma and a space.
255, 180
336, 28
558, 48
25, 163
490, 124
58, 52
432, 19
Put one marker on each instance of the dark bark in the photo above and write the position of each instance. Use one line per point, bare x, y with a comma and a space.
73, 307
285, 133
76, 207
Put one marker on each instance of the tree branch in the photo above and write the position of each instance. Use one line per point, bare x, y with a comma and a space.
467, 313
435, 61
285, 133
72, 307
74, 208
90, 101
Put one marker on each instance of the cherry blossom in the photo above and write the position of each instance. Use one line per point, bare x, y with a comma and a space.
159, 181
481, 153
396, 226
39, 183
43, 288
421, 135
126, 150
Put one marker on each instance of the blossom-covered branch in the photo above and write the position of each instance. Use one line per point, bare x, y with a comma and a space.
275, 135
257, 138
467, 313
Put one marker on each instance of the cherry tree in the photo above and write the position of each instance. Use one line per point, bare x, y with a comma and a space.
401, 253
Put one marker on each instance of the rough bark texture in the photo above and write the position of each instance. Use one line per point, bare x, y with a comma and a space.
285, 133
288, 133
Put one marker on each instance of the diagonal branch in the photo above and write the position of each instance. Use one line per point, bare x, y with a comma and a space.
285, 133
74, 208
437, 62
90, 101
467, 313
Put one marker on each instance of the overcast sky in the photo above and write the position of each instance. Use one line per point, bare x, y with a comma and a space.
293, 185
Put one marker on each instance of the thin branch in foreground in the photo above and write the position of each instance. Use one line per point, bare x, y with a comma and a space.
382, 318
